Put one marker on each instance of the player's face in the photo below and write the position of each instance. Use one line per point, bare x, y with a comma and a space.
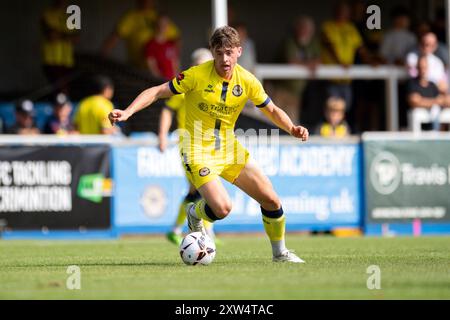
225, 59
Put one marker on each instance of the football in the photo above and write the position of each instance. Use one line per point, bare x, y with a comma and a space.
197, 248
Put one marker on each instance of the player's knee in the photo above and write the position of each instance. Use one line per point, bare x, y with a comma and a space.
271, 202
223, 210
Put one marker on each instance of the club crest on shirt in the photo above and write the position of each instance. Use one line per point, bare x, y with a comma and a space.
180, 77
237, 90
203, 172
203, 106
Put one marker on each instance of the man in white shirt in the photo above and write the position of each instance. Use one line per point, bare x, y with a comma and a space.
436, 70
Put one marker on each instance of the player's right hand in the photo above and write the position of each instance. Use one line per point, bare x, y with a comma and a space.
162, 144
117, 116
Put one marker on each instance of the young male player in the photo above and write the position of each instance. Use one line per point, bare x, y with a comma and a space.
215, 94
176, 105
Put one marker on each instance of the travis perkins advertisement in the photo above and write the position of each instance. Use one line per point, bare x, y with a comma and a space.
55, 188
407, 180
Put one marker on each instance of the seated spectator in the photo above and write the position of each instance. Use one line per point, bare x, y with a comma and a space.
398, 41
248, 56
92, 114
424, 98
59, 123
334, 125
436, 70
424, 27
301, 48
161, 53
24, 119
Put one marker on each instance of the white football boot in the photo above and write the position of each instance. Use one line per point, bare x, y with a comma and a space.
195, 224
287, 256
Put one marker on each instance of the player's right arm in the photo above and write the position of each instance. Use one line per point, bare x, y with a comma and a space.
145, 99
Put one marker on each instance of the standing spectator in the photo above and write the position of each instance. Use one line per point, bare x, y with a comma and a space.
57, 45
59, 123
398, 41
136, 27
248, 58
341, 42
24, 119
436, 70
161, 53
92, 114
424, 98
301, 48
334, 125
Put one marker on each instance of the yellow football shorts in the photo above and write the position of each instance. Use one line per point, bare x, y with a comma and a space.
202, 169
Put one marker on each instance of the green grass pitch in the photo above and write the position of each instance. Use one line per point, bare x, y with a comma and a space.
150, 268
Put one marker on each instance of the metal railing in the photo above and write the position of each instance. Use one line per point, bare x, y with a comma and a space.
390, 74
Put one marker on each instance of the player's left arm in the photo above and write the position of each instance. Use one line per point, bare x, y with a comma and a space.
282, 121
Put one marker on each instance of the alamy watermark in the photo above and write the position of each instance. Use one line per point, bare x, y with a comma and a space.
374, 20
73, 22
374, 280
73, 281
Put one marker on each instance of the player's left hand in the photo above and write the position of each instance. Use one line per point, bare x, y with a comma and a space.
300, 132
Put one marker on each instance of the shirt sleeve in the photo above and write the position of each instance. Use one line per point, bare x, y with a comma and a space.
257, 94
184, 82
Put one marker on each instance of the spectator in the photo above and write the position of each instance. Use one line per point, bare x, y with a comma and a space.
334, 125
59, 123
248, 57
161, 53
57, 45
24, 119
136, 27
436, 70
399, 40
341, 42
301, 48
92, 114
423, 28
424, 98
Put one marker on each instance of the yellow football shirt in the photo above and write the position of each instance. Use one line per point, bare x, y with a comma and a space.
213, 104
92, 115
345, 38
176, 104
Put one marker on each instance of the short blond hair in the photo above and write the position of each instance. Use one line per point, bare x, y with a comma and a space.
335, 103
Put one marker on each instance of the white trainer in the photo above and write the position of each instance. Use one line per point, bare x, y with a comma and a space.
194, 224
287, 256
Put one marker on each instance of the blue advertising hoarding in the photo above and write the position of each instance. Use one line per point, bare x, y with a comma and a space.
319, 185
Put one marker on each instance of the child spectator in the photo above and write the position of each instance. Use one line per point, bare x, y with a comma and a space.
334, 125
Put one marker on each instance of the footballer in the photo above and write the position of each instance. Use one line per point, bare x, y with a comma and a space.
215, 94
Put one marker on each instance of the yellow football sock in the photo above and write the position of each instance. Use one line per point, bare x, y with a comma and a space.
275, 227
200, 210
181, 218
